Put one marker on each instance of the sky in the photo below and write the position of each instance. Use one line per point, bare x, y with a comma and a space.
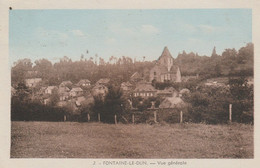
52, 34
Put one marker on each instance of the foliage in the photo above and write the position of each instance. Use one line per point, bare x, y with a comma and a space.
211, 104
113, 104
33, 111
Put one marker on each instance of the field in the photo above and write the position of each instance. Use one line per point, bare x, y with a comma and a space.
97, 140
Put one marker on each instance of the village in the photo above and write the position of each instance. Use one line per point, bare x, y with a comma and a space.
140, 87
84, 91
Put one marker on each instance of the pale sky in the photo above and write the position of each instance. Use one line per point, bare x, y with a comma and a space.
52, 34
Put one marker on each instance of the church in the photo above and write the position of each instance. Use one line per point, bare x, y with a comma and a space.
164, 69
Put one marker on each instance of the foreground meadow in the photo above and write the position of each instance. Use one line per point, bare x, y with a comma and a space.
98, 140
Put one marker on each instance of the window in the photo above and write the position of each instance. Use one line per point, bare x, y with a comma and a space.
154, 73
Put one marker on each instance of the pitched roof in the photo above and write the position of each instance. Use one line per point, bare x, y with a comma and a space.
165, 53
76, 89
136, 75
33, 80
144, 87
82, 81
99, 86
66, 83
63, 89
51, 87
127, 84
103, 81
167, 90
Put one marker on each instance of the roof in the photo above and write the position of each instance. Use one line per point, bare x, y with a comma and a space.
51, 87
63, 89
99, 86
76, 89
165, 53
82, 81
128, 84
103, 80
171, 102
33, 80
66, 83
136, 75
144, 87
64, 94
167, 90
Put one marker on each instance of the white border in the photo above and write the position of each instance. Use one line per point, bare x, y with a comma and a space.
5, 160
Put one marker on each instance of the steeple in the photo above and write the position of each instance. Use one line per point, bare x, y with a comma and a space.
166, 59
166, 52
214, 53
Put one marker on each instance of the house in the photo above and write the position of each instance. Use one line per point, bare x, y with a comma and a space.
66, 84
171, 102
50, 89
63, 89
144, 90
32, 82
164, 69
84, 83
99, 90
64, 96
103, 81
126, 86
167, 92
77, 91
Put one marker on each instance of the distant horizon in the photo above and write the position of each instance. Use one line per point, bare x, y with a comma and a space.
53, 34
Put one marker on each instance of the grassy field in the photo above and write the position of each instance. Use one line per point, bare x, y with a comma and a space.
97, 140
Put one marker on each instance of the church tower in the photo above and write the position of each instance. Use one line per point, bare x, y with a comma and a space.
164, 69
166, 59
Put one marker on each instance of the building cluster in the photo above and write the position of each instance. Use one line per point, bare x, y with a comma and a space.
83, 92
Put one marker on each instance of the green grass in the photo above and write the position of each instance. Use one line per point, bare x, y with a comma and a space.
97, 140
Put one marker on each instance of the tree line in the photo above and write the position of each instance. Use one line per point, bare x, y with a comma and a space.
230, 63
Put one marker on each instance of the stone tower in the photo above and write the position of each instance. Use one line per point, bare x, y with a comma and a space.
166, 59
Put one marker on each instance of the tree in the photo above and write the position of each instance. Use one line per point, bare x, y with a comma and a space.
44, 67
54, 98
20, 69
113, 104
246, 54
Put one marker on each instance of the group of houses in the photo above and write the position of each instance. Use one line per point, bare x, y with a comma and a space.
83, 92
